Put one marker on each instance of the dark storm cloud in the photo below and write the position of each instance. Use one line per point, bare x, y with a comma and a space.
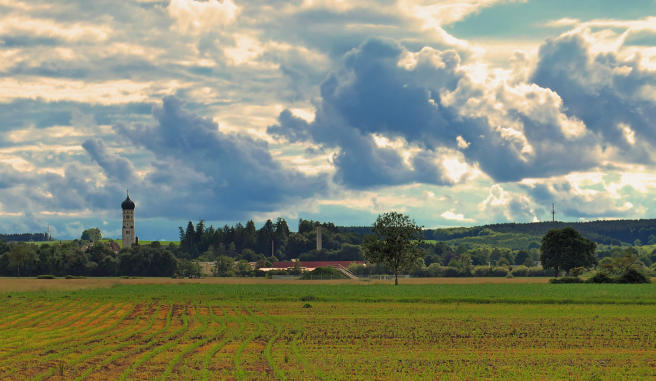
196, 170
116, 167
222, 174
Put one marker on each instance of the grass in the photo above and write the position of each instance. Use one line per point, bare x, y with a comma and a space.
13, 284
354, 330
516, 293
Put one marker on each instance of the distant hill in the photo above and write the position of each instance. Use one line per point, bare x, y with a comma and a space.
519, 236
613, 232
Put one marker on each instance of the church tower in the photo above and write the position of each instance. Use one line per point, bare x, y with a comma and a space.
128, 222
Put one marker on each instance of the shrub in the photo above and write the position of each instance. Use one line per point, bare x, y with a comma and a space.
420, 272
485, 271
453, 272
435, 270
499, 271
577, 271
537, 271
600, 278
566, 279
520, 271
47, 276
480, 271
633, 276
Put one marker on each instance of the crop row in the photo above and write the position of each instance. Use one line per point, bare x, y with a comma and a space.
115, 340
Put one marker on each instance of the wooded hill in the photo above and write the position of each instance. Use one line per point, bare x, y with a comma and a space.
514, 235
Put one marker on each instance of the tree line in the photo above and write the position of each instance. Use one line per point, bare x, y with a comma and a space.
26, 237
273, 241
233, 247
81, 258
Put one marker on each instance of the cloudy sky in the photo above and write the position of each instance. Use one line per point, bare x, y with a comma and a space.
457, 112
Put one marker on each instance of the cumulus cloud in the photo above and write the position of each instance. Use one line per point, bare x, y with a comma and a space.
431, 100
605, 90
374, 95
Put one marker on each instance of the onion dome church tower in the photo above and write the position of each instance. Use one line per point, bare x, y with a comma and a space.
128, 222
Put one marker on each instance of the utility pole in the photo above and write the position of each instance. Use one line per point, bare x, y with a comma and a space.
553, 212
272, 248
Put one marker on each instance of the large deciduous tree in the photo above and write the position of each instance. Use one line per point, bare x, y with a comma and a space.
92, 234
565, 249
395, 242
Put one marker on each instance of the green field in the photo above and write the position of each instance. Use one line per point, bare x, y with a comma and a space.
338, 330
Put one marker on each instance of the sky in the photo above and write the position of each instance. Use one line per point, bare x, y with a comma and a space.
455, 112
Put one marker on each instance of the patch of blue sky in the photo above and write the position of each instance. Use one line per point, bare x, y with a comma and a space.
529, 20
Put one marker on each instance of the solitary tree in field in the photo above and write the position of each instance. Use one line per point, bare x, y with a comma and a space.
565, 249
395, 242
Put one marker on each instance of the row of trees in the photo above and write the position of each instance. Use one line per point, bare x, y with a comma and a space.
83, 259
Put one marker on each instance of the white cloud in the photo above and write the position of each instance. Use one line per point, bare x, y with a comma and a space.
462, 143
41, 27
451, 215
245, 51
194, 17
629, 134
106, 93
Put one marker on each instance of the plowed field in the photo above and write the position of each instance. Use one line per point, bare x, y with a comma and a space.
309, 331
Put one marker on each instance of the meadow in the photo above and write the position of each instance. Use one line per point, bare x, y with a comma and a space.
265, 329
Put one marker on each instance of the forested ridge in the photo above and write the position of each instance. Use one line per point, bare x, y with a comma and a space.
608, 232
613, 232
